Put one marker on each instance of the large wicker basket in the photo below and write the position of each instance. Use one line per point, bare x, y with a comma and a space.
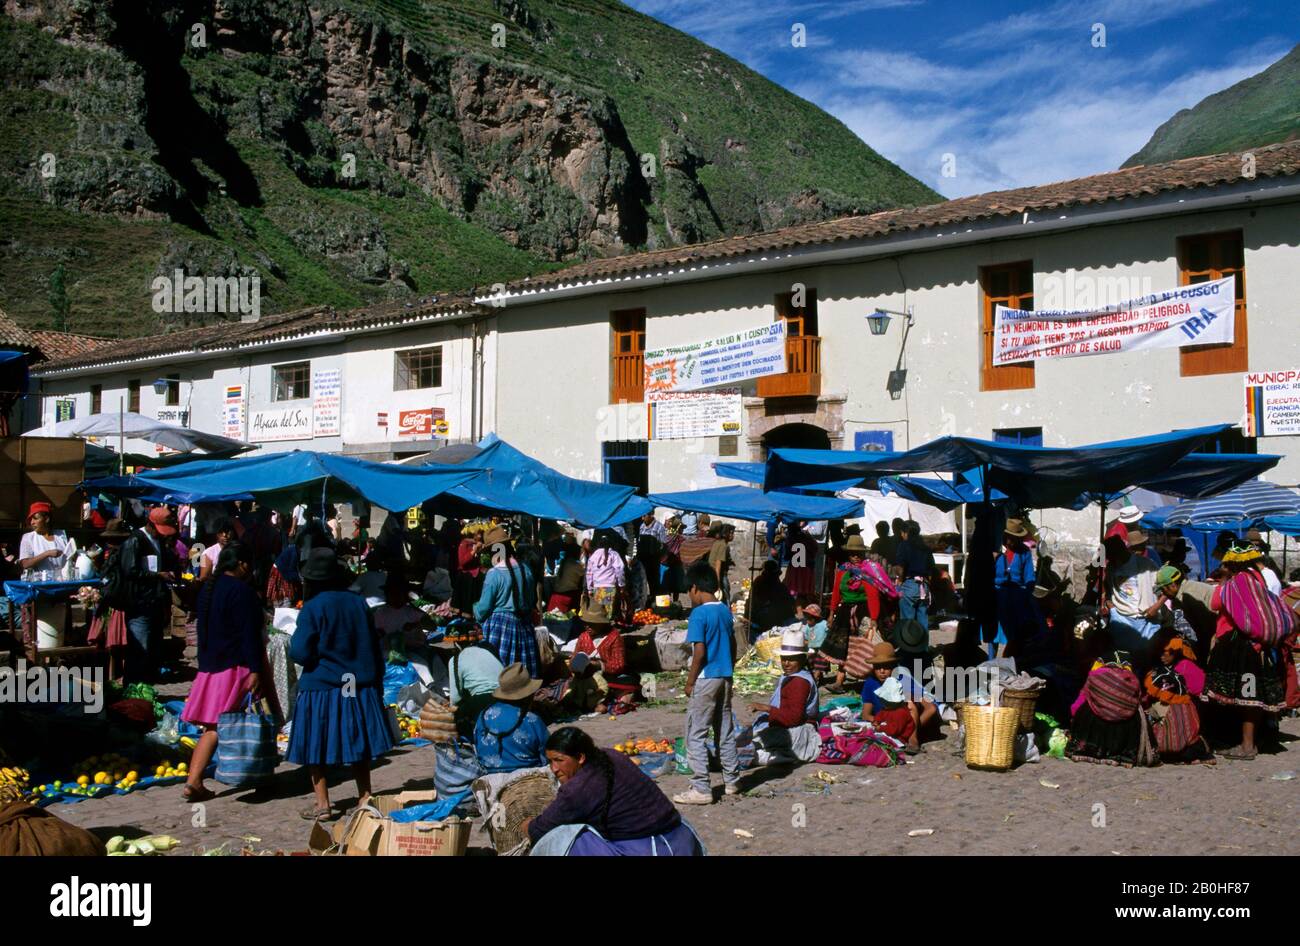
990, 736
1024, 703
519, 801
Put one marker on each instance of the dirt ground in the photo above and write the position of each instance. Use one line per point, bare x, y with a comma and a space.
1229, 808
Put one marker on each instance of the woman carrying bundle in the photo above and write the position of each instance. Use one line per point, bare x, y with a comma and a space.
1172, 686
1246, 665
1109, 725
861, 590
606, 806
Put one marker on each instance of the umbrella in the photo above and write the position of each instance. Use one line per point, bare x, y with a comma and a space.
1252, 500
140, 427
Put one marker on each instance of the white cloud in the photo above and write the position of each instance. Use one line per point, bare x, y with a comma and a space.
1077, 15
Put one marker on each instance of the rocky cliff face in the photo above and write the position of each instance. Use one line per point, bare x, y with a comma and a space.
349, 150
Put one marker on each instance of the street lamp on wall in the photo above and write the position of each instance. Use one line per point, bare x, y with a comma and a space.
878, 322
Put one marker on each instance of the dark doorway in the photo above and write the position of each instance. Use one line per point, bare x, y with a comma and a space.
805, 436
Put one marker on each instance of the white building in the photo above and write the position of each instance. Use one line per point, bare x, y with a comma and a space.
558, 354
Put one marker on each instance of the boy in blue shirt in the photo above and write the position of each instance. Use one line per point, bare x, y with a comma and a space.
710, 632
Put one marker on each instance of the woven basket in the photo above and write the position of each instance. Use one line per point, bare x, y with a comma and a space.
520, 800
990, 736
1023, 702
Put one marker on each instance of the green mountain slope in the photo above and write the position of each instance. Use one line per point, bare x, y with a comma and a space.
349, 151
1261, 110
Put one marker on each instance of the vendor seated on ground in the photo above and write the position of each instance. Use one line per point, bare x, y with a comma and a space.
606, 806
894, 718
473, 675
1173, 686
603, 651
1108, 725
924, 711
507, 735
786, 726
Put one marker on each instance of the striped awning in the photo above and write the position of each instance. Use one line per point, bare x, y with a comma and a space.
1252, 500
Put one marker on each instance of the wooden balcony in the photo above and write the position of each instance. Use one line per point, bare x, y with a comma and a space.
803, 364
628, 381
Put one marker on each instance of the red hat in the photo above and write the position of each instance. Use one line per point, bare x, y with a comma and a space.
814, 609
162, 520
38, 507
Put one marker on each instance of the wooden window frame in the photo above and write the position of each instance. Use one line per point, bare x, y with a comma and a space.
173, 396
279, 385
96, 399
407, 376
1014, 377
1201, 360
797, 319
627, 338
133, 396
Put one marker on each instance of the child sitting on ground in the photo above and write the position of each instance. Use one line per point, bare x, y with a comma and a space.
894, 718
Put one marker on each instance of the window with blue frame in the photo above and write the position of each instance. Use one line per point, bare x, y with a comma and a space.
1024, 436
874, 441
627, 463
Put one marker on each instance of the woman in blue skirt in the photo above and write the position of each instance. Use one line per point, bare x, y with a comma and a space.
339, 717
505, 608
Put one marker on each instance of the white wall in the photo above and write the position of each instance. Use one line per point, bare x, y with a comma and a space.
1075, 401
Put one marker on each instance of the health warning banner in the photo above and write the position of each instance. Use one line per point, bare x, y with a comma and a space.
751, 353
1189, 315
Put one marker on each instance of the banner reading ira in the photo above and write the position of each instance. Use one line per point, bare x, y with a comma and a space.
1201, 314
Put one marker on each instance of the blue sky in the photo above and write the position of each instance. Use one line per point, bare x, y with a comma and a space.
1016, 92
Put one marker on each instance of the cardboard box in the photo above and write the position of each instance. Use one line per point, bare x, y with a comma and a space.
371, 833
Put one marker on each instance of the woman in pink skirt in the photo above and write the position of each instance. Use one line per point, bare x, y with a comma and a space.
232, 656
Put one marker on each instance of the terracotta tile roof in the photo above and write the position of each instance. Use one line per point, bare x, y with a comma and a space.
269, 328
66, 344
1279, 160
14, 335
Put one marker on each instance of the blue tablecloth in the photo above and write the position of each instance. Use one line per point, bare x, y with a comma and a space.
23, 592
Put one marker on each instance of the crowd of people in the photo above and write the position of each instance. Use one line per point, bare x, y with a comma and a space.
1137, 667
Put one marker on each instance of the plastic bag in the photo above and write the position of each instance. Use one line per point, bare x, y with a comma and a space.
396, 678
167, 732
1026, 750
1056, 743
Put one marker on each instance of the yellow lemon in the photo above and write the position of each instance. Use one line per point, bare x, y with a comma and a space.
58, 784
83, 780
160, 770
132, 775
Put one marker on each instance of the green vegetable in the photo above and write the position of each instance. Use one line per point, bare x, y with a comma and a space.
115, 844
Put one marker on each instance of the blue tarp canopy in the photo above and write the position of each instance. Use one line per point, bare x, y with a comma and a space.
754, 505
1038, 477
285, 479
967, 487
754, 473
514, 482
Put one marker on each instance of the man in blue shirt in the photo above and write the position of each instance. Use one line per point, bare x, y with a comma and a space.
710, 632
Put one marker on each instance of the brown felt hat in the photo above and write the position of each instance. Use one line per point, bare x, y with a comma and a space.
515, 683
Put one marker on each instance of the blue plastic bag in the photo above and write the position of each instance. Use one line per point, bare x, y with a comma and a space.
397, 677
246, 744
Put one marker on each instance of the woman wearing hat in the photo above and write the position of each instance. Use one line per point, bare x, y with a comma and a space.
1173, 685
339, 717
786, 726
507, 735
606, 653
1013, 580
1252, 641
506, 605
42, 552
473, 674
